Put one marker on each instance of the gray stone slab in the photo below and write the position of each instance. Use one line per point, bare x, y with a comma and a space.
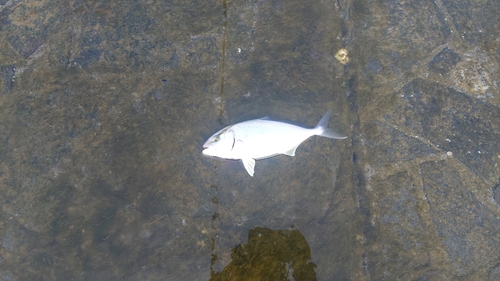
453, 121
467, 229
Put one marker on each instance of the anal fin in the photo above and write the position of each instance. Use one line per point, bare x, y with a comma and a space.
291, 152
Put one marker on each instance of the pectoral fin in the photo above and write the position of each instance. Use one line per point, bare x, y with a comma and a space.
249, 164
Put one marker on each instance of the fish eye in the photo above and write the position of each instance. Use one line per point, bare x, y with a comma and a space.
216, 138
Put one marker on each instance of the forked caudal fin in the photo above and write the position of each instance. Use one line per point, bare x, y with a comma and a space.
323, 129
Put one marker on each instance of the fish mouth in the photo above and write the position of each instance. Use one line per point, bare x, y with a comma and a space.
206, 144
206, 151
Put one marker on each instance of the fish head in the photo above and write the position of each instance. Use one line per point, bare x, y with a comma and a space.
221, 144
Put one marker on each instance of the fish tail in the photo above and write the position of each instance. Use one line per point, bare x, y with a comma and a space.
323, 130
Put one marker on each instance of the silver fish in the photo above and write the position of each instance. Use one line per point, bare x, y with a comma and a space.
263, 138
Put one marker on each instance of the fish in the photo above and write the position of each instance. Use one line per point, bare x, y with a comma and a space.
263, 138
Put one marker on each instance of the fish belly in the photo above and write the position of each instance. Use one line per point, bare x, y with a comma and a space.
259, 139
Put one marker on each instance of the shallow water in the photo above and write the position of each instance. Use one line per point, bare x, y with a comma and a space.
105, 106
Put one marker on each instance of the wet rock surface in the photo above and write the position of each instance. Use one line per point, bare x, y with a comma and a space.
434, 203
444, 62
104, 108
